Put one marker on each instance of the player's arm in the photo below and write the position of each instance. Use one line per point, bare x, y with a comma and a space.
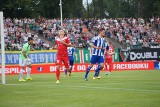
24, 53
71, 45
55, 47
112, 53
67, 43
24, 49
63, 42
92, 45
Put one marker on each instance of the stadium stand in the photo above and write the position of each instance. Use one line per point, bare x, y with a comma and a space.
127, 33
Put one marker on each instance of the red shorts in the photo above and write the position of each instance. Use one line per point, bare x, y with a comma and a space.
108, 61
63, 59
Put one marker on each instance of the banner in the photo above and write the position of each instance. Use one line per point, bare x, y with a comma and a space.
133, 66
123, 55
151, 54
36, 57
51, 68
78, 56
86, 55
116, 55
83, 56
46, 68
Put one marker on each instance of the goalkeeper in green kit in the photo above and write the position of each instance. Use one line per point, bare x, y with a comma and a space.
25, 61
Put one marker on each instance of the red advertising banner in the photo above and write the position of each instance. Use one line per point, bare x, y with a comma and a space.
51, 68
45, 68
133, 66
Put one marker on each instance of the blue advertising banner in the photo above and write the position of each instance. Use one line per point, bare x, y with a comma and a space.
36, 57
156, 65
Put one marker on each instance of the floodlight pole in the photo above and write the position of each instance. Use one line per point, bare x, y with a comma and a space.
2, 48
61, 12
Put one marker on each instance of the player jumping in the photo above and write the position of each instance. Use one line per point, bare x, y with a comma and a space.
62, 43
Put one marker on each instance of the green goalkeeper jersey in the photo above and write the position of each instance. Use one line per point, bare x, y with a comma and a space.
26, 47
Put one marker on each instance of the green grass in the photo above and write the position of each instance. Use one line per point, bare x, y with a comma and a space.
120, 89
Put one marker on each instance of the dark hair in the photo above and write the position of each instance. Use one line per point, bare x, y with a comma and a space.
29, 38
101, 29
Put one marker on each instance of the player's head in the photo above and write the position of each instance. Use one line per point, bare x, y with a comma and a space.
109, 43
30, 40
102, 32
61, 33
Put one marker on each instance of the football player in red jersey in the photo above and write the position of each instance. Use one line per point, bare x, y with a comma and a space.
62, 42
109, 57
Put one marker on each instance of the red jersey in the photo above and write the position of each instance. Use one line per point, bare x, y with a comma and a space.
62, 49
111, 50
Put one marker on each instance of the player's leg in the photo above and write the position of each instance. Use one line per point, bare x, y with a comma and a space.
22, 63
66, 64
109, 62
110, 65
71, 62
58, 63
29, 67
58, 74
65, 72
92, 62
97, 71
106, 65
66, 69
99, 67
107, 72
87, 71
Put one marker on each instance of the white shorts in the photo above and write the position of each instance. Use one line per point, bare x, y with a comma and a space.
24, 62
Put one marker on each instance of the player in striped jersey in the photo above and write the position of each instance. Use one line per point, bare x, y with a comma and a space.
99, 45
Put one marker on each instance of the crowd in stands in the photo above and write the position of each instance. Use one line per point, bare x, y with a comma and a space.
16, 33
134, 33
131, 32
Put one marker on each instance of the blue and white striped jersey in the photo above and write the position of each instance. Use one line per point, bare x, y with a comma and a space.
99, 42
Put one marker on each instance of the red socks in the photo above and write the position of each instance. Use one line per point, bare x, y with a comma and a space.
58, 74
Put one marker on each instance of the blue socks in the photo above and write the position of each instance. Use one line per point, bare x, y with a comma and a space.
67, 71
87, 71
97, 71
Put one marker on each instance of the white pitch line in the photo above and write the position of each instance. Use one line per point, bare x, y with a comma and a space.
16, 84
92, 87
152, 82
124, 89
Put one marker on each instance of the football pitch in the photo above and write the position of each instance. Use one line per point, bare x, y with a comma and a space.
120, 89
